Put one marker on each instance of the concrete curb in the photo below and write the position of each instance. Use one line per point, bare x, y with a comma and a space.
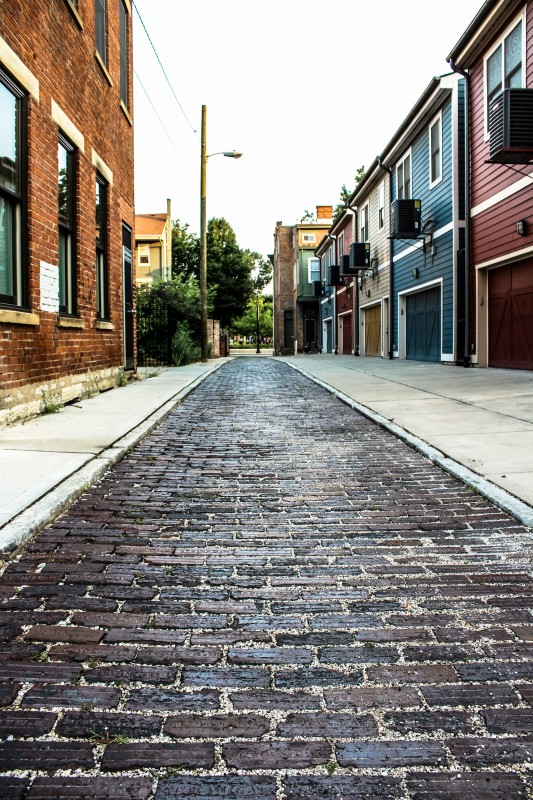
502, 499
45, 510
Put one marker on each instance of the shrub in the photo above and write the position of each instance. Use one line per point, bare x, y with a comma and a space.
184, 349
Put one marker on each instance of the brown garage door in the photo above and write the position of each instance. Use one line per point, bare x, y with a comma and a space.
511, 316
373, 331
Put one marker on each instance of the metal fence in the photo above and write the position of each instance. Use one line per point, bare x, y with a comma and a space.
156, 326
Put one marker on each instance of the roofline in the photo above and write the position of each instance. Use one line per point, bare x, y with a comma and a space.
471, 44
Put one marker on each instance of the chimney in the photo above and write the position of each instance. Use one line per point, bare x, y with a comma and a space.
324, 214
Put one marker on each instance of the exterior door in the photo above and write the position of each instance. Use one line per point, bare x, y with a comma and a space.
329, 337
373, 331
129, 311
288, 331
347, 335
423, 325
511, 316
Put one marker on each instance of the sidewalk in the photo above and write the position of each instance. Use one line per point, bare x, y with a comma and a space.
476, 423
48, 461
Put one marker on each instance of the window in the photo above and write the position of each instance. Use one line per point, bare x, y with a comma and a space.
309, 237
12, 286
363, 226
144, 255
101, 247
435, 151
403, 178
100, 28
503, 67
313, 269
340, 248
67, 221
124, 54
381, 206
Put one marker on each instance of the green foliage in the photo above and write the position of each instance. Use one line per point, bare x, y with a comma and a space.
247, 324
345, 193
184, 348
185, 251
49, 405
229, 271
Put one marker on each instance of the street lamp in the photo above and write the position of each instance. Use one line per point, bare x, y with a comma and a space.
203, 234
257, 321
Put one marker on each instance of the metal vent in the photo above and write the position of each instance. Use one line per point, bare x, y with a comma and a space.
405, 219
359, 255
511, 127
334, 275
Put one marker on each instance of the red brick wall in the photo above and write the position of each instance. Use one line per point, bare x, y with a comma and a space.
61, 56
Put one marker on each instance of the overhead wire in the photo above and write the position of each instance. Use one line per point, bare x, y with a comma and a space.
171, 140
194, 130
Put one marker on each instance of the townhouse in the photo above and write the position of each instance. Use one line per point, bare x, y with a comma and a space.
297, 283
425, 163
66, 201
495, 55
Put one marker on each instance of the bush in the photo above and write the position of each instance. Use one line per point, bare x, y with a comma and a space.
184, 349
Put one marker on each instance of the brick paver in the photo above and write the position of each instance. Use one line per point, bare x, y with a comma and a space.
269, 598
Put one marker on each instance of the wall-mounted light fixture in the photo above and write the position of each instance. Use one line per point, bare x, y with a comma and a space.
521, 227
415, 273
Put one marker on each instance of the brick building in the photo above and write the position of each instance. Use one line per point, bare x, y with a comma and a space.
66, 201
296, 279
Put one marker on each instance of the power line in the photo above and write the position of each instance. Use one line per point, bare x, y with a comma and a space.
163, 69
171, 140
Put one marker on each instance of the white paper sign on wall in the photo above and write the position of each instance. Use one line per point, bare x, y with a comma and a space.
49, 287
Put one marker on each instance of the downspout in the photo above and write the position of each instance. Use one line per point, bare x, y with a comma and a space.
466, 286
356, 348
334, 331
391, 269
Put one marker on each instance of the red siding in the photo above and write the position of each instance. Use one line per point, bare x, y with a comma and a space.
489, 179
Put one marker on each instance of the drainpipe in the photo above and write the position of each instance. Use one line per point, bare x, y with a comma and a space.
334, 331
356, 348
466, 285
391, 269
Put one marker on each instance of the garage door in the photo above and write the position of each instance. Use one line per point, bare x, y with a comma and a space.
511, 316
423, 325
373, 331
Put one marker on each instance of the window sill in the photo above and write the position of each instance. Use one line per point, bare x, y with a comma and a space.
74, 11
19, 317
126, 112
70, 322
102, 325
103, 67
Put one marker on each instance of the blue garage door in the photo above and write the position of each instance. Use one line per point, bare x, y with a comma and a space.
423, 325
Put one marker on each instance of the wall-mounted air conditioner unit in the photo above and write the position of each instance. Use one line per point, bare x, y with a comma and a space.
406, 219
345, 265
511, 127
318, 288
334, 278
359, 256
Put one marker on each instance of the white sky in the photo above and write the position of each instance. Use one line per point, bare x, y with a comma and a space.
308, 91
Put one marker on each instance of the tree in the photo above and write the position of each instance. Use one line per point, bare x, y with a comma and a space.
185, 250
229, 271
247, 324
346, 193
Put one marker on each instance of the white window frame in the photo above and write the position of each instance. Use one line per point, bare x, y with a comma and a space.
520, 18
436, 120
401, 164
381, 206
143, 250
310, 261
340, 248
364, 223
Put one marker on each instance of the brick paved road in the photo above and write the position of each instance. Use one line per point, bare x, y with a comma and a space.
270, 599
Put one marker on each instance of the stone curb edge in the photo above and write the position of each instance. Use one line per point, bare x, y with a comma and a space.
42, 512
504, 500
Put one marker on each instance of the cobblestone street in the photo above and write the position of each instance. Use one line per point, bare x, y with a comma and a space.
270, 598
